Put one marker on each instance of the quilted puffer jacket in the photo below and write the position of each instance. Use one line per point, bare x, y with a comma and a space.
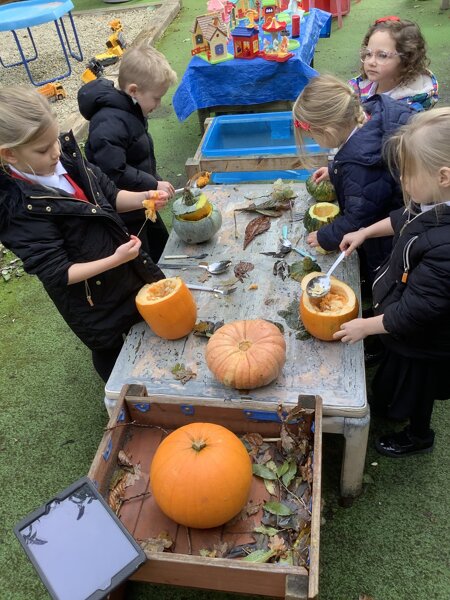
365, 189
412, 289
50, 230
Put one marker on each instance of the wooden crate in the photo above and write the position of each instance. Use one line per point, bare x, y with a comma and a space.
137, 426
252, 162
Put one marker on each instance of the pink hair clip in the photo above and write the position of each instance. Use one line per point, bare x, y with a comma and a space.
302, 125
389, 18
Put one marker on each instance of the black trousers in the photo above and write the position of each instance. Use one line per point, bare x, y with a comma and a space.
104, 361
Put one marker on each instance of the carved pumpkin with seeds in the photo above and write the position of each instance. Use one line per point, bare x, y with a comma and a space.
168, 307
322, 317
246, 354
200, 475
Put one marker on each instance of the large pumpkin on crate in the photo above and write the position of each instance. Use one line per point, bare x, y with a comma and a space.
319, 214
322, 317
200, 475
195, 218
321, 192
246, 354
168, 307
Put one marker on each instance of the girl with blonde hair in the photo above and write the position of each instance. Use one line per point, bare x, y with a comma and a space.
330, 112
58, 215
411, 292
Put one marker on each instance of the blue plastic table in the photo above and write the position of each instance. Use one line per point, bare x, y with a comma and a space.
27, 14
241, 82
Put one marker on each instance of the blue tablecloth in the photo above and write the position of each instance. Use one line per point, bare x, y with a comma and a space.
254, 81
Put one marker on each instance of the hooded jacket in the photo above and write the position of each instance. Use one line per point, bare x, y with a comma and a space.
366, 190
412, 289
421, 93
49, 231
118, 140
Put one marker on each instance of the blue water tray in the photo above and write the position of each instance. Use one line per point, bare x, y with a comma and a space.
247, 134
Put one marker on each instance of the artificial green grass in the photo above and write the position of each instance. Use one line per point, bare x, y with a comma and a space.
83, 5
392, 544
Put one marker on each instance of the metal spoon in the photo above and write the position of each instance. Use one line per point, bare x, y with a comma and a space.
214, 268
287, 245
203, 288
178, 256
320, 286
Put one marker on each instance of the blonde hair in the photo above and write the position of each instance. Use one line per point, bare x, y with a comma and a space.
144, 66
24, 116
328, 104
421, 146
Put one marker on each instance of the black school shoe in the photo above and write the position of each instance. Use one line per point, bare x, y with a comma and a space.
403, 443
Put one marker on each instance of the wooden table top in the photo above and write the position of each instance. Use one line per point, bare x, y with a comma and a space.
333, 370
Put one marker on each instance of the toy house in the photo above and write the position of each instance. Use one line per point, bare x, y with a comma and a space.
210, 39
269, 8
245, 42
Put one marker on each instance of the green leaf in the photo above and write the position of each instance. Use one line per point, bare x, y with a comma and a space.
290, 473
270, 487
264, 472
270, 531
259, 556
282, 469
277, 508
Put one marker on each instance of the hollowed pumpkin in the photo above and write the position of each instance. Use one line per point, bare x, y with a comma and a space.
320, 214
322, 317
168, 307
195, 218
246, 354
201, 475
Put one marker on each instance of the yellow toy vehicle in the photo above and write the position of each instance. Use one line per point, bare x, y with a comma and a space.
53, 91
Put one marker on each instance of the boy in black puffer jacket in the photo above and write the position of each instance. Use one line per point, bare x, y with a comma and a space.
119, 143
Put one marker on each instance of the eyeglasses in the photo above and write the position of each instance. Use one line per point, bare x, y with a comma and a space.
381, 56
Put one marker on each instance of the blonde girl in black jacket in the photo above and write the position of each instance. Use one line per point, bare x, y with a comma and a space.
411, 291
58, 214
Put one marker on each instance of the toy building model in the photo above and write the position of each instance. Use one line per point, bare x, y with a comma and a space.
269, 8
245, 42
210, 39
276, 48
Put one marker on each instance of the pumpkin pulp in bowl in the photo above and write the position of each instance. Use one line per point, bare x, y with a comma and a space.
168, 307
322, 317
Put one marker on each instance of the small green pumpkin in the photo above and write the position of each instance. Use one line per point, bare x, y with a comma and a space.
320, 214
195, 218
321, 192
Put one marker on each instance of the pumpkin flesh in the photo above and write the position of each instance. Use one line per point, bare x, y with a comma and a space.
320, 214
246, 354
201, 475
322, 317
168, 307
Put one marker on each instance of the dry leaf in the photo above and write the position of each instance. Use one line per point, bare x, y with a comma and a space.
281, 268
277, 544
242, 268
123, 460
203, 277
206, 328
255, 227
158, 544
182, 373
133, 476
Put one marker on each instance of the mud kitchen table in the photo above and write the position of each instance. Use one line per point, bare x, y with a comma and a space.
332, 370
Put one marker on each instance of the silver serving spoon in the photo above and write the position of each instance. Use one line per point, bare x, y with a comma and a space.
287, 245
203, 288
215, 268
320, 286
178, 256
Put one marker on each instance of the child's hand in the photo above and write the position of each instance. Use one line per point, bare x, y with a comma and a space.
128, 251
352, 331
321, 175
159, 197
166, 186
351, 241
312, 239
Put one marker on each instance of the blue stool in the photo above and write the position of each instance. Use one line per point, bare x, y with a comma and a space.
25, 15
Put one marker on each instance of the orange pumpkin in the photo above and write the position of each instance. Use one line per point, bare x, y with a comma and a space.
201, 475
322, 317
168, 307
246, 354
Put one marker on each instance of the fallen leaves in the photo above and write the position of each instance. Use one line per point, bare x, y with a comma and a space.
255, 227
182, 373
242, 268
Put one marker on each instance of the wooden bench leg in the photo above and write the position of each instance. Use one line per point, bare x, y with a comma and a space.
356, 432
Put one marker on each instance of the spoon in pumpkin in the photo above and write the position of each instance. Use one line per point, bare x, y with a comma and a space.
319, 286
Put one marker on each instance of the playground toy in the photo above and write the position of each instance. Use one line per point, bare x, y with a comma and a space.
210, 39
245, 42
94, 70
116, 43
115, 47
277, 49
53, 91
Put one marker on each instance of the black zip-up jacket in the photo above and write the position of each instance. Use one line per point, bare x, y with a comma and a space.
365, 189
50, 230
118, 143
412, 289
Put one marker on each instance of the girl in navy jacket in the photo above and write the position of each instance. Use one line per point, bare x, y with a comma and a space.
330, 112
411, 291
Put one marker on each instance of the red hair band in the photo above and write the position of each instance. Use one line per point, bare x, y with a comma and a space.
384, 19
302, 125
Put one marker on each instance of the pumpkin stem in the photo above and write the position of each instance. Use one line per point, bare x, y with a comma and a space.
198, 445
244, 345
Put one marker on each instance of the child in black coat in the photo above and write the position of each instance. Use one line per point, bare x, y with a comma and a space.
119, 142
411, 291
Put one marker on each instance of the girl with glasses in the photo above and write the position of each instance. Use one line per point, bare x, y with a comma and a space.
394, 62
